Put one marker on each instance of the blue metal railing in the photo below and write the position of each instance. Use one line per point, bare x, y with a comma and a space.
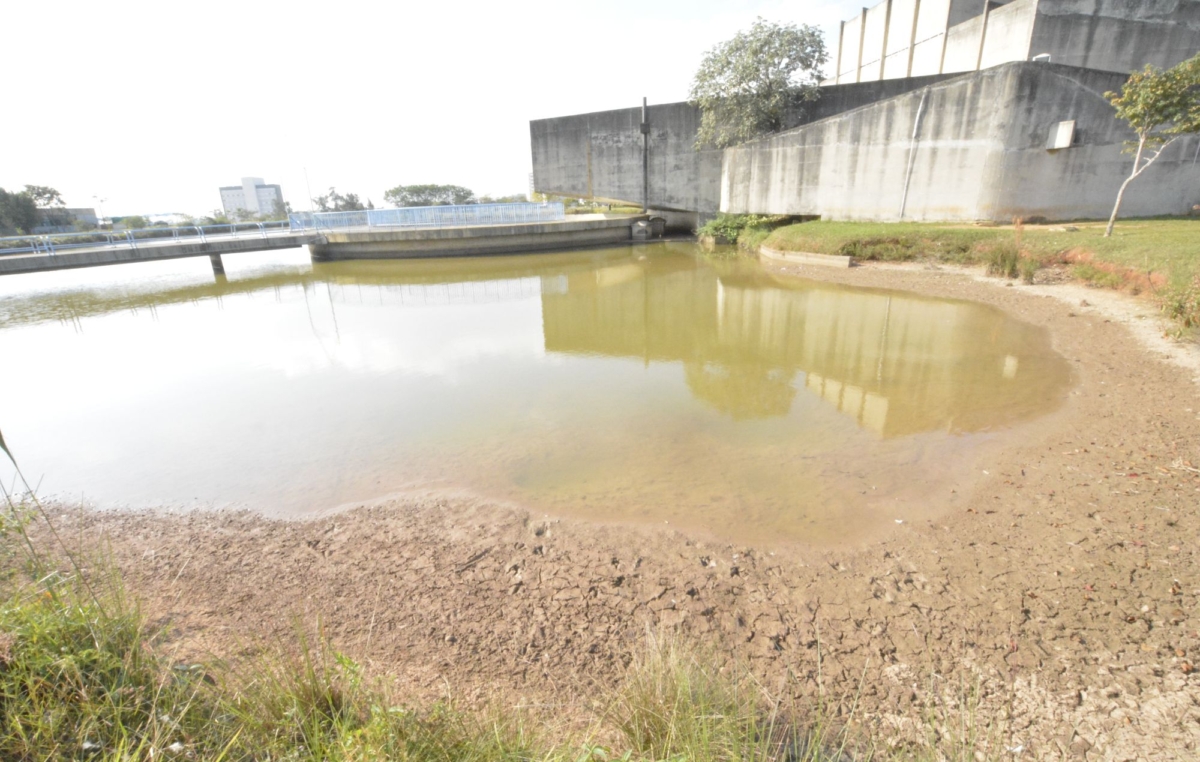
430, 216
407, 217
55, 243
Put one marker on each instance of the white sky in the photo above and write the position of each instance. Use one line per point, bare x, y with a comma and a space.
154, 105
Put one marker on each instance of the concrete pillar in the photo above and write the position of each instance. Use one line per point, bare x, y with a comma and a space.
217, 265
887, 27
912, 38
862, 37
987, 9
945, 39
837, 74
645, 130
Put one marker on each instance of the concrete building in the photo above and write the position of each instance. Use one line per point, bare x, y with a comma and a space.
934, 110
63, 219
253, 196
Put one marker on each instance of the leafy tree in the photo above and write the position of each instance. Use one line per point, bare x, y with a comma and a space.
336, 202
429, 195
516, 198
1161, 107
44, 196
18, 213
135, 222
279, 211
746, 86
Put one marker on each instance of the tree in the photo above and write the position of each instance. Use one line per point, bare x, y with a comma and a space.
516, 198
218, 217
44, 196
429, 195
279, 210
134, 222
1161, 107
18, 213
746, 86
336, 202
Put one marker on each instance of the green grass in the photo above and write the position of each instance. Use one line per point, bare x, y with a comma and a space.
1156, 256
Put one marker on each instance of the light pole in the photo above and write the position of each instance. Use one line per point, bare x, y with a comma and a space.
100, 206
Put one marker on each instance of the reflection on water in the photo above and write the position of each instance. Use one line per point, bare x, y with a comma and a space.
640, 384
896, 364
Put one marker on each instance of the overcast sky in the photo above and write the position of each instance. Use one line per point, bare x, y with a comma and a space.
154, 105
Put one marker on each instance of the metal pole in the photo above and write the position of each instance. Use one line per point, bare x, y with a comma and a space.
645, 158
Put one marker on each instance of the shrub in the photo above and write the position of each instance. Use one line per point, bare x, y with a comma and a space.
1003, 260
729, 227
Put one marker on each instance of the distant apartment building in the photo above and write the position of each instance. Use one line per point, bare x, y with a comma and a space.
253, 196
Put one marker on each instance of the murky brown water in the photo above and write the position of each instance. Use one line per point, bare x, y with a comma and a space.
644, 384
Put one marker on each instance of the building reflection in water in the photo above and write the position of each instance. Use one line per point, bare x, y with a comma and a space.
897, 364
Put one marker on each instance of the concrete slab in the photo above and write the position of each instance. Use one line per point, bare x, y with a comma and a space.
576, 231
807, 258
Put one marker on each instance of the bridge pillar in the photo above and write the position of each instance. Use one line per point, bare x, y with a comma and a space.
217, 265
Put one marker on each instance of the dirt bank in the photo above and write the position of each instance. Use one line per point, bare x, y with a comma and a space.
1060, 594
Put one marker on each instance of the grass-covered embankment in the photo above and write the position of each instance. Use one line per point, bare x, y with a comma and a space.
1157, 257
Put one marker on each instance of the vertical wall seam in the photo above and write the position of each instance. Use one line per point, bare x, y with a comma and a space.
912, 151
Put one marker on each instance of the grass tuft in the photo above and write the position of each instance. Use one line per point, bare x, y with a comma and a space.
1002, 259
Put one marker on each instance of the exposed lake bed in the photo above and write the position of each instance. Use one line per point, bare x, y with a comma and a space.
1063, 580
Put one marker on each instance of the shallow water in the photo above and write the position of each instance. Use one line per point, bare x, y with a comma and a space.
635, 384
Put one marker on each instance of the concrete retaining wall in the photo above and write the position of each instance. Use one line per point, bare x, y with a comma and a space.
599, 156
980, 153
582, 231
948, 36
1117, 35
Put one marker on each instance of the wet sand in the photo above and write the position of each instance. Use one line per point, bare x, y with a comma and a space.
1060, 586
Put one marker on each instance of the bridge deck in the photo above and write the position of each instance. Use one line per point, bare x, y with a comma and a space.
152, 250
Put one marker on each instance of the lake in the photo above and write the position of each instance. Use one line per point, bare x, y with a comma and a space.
646, 384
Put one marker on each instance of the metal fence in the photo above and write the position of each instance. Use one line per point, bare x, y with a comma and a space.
131, 239
430, 216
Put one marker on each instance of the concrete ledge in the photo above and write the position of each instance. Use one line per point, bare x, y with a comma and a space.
807, 258
476, 240
148, 251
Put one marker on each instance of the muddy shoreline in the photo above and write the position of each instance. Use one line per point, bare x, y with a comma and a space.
1060, 589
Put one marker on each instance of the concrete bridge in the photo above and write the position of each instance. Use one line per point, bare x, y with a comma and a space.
417, 232
29, 254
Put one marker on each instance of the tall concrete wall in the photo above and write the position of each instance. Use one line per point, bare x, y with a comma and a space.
1081, 182
599, 155
1117, 35
979, 153
899, 38
1009, 29
856, 165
